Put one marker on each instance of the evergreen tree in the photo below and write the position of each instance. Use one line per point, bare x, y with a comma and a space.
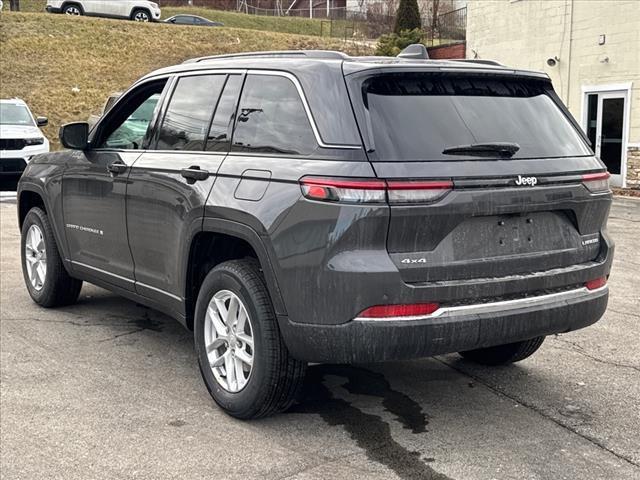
408, 16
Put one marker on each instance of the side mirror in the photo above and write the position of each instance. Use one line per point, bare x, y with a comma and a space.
42, 121
75, 135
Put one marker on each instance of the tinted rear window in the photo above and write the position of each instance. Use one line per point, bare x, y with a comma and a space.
414, 117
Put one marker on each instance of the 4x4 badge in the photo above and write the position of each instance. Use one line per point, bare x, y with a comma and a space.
413, 260
531, 181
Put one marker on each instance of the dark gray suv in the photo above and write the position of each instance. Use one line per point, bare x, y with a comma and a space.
295, 207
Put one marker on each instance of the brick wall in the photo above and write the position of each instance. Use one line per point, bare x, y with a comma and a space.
633, 167
447, 51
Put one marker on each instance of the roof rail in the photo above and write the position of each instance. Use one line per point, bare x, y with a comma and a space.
327, 54
481, 61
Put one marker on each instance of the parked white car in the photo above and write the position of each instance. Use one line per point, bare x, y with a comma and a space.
20, 136
138, 10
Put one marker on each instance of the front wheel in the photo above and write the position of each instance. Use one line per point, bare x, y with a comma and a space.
243, 360
141, 16
46, 279
504, 354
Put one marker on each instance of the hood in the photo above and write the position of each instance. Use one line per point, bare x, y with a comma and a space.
20, 131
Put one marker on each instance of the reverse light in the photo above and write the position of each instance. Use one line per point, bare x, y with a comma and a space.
394, 311
417, 191
374, 190
596, 182
596, 283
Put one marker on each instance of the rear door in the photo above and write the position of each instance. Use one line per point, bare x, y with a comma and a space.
479, 214
169, 183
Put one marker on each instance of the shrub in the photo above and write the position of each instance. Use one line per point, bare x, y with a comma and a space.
392, 44
407, 16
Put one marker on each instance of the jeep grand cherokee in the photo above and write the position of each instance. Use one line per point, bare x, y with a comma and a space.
296, 207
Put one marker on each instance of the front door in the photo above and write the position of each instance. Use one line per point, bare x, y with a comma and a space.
95, 186
605, 127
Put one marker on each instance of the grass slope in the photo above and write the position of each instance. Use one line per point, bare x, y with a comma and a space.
43, 57
297, 25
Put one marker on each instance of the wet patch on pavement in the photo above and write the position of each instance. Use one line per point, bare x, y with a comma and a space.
370, 432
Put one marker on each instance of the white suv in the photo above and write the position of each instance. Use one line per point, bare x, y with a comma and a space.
138, 10
20, 136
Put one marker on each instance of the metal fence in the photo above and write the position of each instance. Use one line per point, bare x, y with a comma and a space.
367, 23
452, 26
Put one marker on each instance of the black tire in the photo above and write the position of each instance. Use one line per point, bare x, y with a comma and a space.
504, 354
276, 378
58, 288
139, 13
69, 7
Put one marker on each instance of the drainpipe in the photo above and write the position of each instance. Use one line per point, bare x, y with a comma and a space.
569, 55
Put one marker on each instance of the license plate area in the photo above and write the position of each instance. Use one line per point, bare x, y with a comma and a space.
494, 236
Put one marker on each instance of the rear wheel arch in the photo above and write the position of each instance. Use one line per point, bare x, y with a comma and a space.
220, 241
135, 10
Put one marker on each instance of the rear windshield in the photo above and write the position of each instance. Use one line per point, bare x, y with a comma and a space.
414, 117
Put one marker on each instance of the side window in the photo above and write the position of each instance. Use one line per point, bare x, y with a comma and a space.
186, 121
218, 140
127, 127
271, 118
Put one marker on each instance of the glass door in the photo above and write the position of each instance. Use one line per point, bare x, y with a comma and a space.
605, 127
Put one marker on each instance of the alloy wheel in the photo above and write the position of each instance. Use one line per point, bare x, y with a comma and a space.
72, 10
228, 337
141, 17
35, 257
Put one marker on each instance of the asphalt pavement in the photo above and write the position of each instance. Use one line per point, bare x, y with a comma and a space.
108, 389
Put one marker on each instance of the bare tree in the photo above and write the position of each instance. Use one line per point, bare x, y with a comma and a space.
14, 5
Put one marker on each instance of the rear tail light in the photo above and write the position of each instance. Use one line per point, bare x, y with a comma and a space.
374, 190
343, 190
596, 283
395, 311
596, 182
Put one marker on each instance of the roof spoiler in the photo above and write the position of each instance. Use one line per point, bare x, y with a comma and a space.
416, 51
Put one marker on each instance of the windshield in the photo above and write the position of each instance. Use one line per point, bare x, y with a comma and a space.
423, 117
12, 114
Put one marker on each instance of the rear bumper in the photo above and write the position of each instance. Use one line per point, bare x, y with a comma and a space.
448, 330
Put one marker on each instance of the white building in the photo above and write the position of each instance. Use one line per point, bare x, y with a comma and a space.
591, 51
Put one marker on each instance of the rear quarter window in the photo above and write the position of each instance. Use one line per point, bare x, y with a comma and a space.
272, 119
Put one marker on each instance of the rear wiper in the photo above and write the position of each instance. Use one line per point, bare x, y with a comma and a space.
503, 149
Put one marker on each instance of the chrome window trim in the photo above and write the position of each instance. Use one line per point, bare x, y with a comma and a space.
581, 293
303, 98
